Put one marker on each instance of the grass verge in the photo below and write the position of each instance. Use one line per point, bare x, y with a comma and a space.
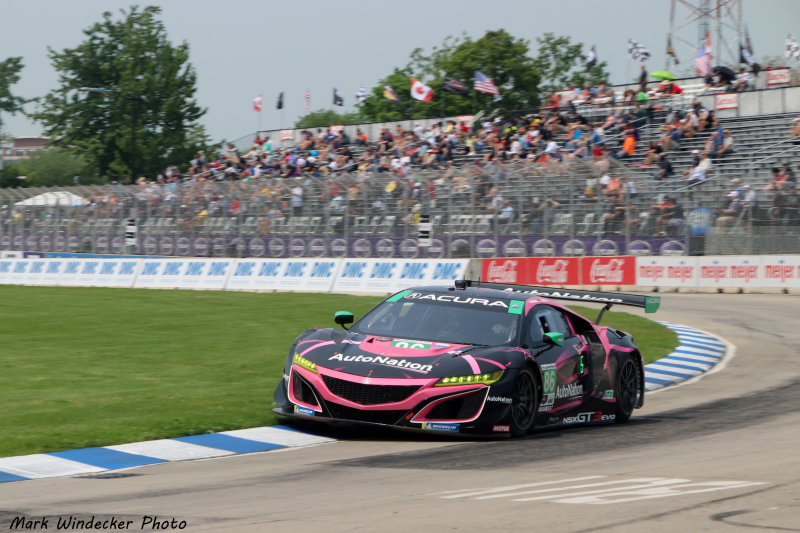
96, 366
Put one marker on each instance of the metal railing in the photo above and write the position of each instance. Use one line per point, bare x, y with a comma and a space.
556, 208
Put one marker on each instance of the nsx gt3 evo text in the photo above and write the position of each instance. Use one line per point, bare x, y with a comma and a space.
478, 358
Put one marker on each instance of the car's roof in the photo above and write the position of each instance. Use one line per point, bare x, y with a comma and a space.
473, 291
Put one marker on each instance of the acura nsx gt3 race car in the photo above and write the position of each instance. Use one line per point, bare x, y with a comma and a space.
478, 358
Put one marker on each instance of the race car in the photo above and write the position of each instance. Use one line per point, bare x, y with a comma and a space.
475, 358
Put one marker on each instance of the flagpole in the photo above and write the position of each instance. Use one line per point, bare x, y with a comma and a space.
443, 91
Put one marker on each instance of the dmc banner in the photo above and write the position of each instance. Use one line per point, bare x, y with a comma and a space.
308, 274
390, 275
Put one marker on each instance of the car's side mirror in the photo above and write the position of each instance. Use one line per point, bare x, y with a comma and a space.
554, 338
343, 317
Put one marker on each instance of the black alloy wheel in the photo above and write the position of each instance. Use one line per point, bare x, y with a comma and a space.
628, 391
524, 402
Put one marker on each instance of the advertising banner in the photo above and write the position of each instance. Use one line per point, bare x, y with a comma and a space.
780, 270
729, 271
726, 101
608, 270
72, 273
665, 271
778, 76
533, 270
391, 275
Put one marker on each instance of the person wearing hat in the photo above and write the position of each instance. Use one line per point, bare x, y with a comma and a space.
730, 213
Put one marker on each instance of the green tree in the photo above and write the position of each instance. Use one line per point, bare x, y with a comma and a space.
522, 80
498, 55
324, 118
50, 168
9, 75
126, 100
563, 64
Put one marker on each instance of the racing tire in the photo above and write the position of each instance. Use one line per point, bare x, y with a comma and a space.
524, 403
627, 391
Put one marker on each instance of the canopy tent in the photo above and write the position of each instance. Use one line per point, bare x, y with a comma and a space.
57, 198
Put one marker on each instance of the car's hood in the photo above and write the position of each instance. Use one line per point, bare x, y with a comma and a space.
390, 357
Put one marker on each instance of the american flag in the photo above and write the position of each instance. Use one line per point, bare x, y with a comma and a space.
702, 62
484, 84
307, 98
361, 95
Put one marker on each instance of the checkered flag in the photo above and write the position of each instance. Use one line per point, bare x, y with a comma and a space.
638, 52
792, 48
361, 95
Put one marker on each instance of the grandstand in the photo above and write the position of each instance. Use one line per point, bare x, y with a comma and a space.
371, 211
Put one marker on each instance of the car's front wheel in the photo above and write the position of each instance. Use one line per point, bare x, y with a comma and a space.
628, 390
524, 401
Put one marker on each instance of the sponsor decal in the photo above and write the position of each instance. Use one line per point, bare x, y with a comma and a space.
596, 416
303, 410
457, 299
498, 399
440, 345
565, 294
608, 394
501, 429
439, 426
384, 361
548, 386
570, 390
412, 345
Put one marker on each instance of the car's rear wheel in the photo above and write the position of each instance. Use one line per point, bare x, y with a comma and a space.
524, 401
628, 391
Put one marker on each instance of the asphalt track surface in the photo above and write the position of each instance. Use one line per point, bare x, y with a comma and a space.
715, 454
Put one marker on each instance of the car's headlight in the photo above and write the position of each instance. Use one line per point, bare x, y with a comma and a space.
483, 379
305, 363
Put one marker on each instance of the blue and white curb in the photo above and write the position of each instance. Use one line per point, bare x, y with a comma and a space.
697, 353
95, 460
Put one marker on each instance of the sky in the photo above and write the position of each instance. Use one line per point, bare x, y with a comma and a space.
243, 48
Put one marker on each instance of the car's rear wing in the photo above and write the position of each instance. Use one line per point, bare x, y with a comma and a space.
649, 303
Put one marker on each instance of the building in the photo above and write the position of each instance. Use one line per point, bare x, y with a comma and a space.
22, 148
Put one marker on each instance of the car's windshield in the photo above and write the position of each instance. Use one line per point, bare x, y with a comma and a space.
461, 323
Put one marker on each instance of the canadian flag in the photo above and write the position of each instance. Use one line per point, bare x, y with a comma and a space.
420, 91
257, 101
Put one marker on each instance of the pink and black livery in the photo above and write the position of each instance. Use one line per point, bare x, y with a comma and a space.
475, 358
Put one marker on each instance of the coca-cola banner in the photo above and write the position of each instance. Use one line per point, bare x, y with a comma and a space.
608, 270
532, 270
